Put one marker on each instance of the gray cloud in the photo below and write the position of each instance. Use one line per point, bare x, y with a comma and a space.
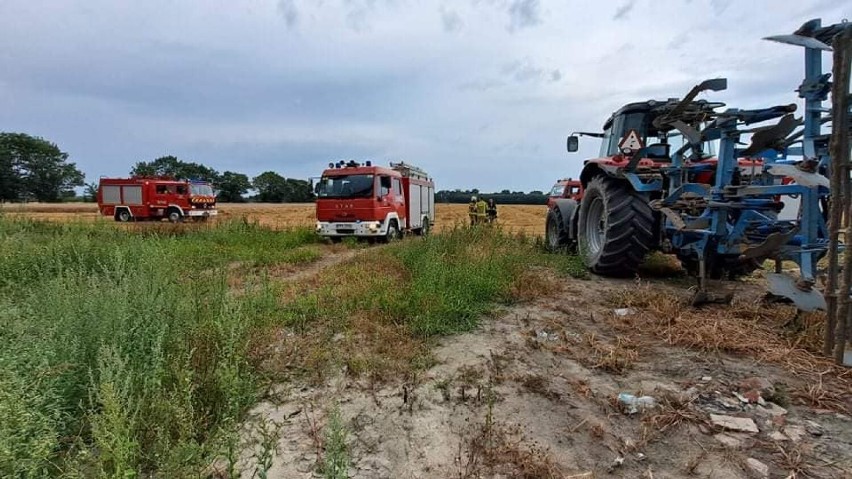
288, 10
719, 6
622, 11
238, 88
481, 85
523, 14
451, 20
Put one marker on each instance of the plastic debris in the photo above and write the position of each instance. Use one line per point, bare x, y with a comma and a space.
633, 404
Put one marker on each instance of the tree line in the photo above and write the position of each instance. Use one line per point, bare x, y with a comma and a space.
34, 169
230, 186
504, 197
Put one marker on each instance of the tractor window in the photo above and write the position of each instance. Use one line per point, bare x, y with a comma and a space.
621, 125
384, 185
397, 187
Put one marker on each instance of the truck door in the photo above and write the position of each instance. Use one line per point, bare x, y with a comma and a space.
399, 201
161, 195
386, 199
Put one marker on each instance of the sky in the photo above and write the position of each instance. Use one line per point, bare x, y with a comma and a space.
479, 93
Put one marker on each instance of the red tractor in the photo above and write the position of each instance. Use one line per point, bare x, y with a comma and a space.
154, 198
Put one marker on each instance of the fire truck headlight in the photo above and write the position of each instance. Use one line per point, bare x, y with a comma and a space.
374, 226
319, 227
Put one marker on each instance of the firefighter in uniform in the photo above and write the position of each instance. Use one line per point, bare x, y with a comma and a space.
471, 210
492, 210
481, 211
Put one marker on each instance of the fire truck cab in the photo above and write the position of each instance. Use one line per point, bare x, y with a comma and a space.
565, 188
154, 198
369, 201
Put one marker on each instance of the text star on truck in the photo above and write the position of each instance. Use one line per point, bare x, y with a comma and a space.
374, 202
154, 198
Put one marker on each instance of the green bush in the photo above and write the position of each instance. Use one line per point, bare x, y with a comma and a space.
124, 350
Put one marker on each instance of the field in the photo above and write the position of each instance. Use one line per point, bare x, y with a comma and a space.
254, 349
516, 218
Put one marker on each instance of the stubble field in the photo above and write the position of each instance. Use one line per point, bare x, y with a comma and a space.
528, 219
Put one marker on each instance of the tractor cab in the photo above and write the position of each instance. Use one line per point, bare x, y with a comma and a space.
651, 127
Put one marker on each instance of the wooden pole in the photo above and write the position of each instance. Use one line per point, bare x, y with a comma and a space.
839, 150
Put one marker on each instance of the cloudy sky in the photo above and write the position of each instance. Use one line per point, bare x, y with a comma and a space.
480, 93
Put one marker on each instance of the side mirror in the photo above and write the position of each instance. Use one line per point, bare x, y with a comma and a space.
573, 143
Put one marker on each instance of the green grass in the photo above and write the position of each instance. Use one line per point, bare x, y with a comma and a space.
125, 350
128, 351
384, 306
336, 462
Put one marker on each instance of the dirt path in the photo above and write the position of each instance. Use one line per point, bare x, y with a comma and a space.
532, 394
331, 255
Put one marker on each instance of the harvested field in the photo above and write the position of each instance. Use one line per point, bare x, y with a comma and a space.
528, 219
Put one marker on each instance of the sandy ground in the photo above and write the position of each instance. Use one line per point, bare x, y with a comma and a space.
517, 218
526, 396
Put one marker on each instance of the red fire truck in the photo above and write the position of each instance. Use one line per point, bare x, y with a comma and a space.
373, 201
565, 188
154, 198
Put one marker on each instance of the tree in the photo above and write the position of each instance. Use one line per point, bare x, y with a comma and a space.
171, 166
32, 167
274, 188
90, 192
271, 187
232, 186
299, 191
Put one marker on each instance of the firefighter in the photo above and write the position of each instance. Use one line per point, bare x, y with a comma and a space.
492, 210
481, 211
471, 210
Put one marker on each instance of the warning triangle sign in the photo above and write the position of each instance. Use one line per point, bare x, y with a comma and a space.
631, 141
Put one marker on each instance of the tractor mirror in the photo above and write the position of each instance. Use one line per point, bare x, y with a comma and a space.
716, 84
573, 143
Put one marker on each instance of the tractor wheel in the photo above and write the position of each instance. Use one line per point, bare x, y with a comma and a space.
123, 215
556, 233
615, 229
174, 215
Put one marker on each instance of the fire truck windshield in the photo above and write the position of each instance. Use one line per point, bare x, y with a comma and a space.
348, 186
557, 190
201, 190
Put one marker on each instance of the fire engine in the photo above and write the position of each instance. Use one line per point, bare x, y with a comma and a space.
565, 188
373, 201
154, 198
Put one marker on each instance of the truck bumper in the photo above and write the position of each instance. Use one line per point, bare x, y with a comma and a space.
361, 228
201, 212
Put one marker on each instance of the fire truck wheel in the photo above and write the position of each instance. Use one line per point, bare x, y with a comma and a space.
123, 215
424, 230
615, 228
174, 215
393, 233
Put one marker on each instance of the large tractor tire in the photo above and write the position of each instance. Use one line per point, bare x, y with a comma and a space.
556, 233
615, 229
